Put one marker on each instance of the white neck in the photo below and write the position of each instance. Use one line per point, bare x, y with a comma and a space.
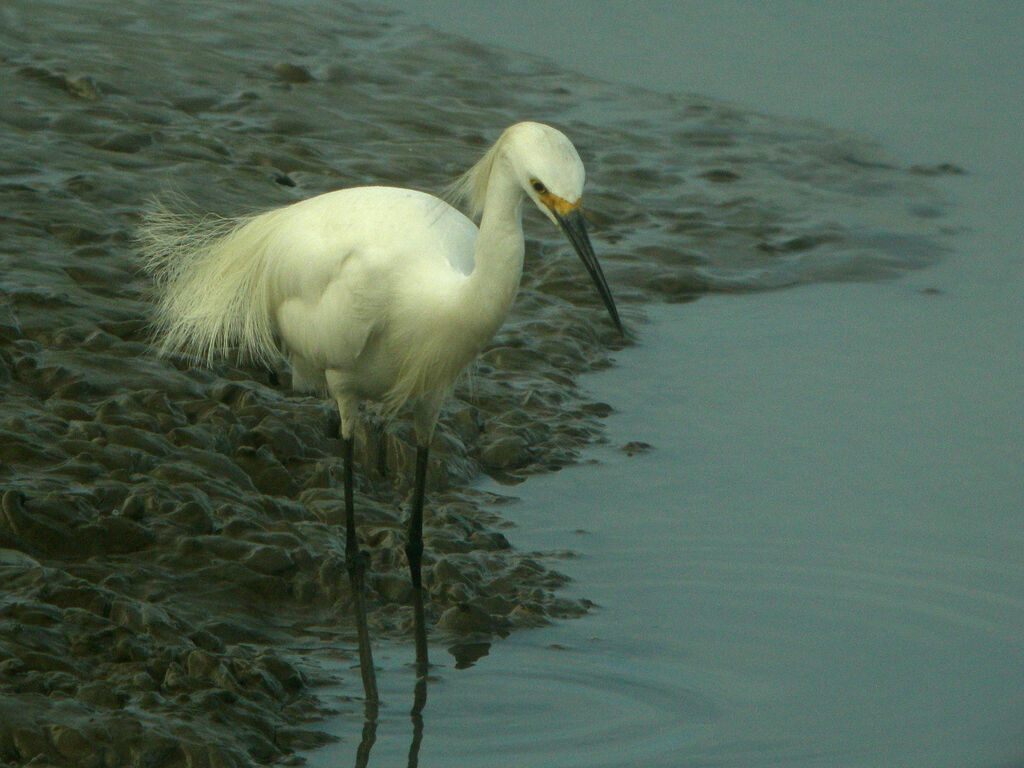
492, 286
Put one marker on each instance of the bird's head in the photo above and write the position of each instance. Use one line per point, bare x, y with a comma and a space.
551, 174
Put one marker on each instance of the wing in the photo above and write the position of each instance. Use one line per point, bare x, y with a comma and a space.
341, 260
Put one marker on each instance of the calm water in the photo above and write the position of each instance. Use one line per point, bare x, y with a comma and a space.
820, 561
807, 552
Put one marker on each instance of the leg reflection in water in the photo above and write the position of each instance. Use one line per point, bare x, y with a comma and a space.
418, 702
369, 736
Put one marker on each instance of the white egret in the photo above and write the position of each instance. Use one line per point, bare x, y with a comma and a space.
372, 294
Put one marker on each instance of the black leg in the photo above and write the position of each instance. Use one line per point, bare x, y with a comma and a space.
414, 554
418, 702
382, 448
355, 564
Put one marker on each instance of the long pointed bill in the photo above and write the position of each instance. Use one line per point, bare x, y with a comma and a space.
575, 229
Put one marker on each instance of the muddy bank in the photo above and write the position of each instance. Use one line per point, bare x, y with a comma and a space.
171, 555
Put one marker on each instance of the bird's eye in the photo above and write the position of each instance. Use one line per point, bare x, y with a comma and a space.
539, 188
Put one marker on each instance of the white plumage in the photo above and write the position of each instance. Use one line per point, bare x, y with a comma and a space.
372, 293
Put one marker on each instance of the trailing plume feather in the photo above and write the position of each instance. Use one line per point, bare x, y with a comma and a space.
212, 289
470, 189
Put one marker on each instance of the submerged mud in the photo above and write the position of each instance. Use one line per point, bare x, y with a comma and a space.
170, 551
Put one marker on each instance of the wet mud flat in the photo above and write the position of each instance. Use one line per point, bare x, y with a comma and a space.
171, 559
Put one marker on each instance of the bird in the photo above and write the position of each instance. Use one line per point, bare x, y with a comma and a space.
372, 294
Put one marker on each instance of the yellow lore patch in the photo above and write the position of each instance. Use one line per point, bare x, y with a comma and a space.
557, 204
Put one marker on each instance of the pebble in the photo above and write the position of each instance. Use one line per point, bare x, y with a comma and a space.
465, 619
506, 452
268, 560
293, 73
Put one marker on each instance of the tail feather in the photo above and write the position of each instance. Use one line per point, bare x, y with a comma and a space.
210, 275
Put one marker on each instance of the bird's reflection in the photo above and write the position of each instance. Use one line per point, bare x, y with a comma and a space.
465, 653
369, 736
419, 700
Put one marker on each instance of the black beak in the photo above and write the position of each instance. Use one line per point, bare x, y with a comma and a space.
575, 229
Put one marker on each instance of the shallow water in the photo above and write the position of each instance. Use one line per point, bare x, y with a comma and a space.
825, 565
